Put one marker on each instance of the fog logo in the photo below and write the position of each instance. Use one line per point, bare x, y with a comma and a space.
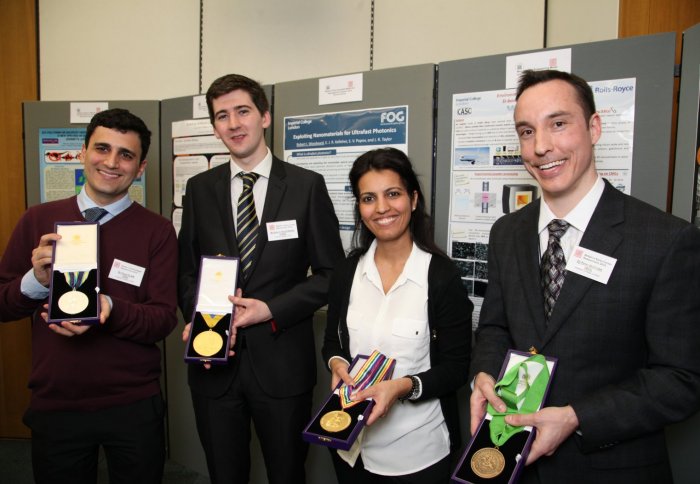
392, 117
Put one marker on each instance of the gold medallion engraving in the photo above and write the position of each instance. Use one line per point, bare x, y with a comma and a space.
73, 302
335, 421
488, 462
207, 343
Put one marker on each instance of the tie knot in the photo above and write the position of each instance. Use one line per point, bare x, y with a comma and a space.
249, 179
557, 228
94, 214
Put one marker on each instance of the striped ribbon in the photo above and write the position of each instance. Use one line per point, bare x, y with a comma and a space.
76, 279
372, 371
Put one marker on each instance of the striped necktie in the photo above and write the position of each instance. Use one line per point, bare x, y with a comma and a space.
246, 222
553, 265
94, 214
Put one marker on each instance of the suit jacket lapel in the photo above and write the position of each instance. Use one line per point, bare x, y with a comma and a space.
222, 189
601, 236
527, 256
276, 186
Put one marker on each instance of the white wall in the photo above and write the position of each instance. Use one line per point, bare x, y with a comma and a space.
131, 49
118, 50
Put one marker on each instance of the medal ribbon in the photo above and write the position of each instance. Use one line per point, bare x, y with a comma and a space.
76, 279
212, 319
527, 401
372, 371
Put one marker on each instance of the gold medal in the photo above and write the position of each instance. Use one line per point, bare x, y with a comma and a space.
488, 462
73, 302
335, 421
207, 343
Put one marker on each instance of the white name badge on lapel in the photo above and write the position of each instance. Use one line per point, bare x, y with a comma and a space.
125, 272
283, 230
591, 264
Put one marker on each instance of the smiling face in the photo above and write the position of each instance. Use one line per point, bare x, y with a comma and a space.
556, 142
239, 124
385, 206
111, 163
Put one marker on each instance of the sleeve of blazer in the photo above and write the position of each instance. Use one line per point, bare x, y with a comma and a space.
324, 249
493, 335
188, 255
450, 313
668, 388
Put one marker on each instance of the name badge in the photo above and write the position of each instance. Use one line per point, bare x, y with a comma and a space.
125, 272
591, 264
283, 230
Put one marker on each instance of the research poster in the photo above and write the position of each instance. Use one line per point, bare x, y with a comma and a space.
195, 149
329, 144
61, 172
488, 179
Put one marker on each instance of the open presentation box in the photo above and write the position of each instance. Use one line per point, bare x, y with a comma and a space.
213, 313
481, 461
74, 289
342, 426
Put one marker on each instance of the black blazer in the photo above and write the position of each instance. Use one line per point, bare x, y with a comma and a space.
449, 319
629, 350
283, 360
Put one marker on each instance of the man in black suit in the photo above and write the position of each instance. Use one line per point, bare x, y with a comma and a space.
628, 346
272, 371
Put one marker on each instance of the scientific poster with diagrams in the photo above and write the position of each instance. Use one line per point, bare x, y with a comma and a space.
61, 172
488, 179
329, 144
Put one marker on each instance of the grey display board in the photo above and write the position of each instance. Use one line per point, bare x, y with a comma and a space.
649, 59
56, 114
686, 192
413, 86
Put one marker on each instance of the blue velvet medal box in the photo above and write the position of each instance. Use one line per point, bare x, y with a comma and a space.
75, 274
212, 317
515, 450
343, 439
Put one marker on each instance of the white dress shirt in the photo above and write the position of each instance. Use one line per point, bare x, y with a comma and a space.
578, 220
259, 189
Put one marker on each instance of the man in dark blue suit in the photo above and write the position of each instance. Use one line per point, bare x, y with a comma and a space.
272, 371
626, 333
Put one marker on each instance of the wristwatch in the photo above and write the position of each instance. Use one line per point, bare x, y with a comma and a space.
415, 388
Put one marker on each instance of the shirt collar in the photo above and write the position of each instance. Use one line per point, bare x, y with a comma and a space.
581, 213
415, 269
263, 168
114, 209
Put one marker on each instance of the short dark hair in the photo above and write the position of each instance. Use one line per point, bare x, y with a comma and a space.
232, 82
421, 226
123, 121
584, 92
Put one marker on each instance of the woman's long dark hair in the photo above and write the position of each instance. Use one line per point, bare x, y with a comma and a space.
421, 226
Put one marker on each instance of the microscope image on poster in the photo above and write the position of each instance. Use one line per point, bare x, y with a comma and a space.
516, 197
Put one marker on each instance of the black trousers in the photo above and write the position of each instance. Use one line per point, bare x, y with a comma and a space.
224, 430
438, 473
65, 445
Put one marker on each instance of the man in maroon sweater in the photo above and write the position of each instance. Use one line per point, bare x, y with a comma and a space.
98, 385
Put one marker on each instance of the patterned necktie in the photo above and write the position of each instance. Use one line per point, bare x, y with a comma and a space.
246, 222
553, 265
94, 214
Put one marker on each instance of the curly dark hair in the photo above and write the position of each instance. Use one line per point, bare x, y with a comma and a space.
123, 121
